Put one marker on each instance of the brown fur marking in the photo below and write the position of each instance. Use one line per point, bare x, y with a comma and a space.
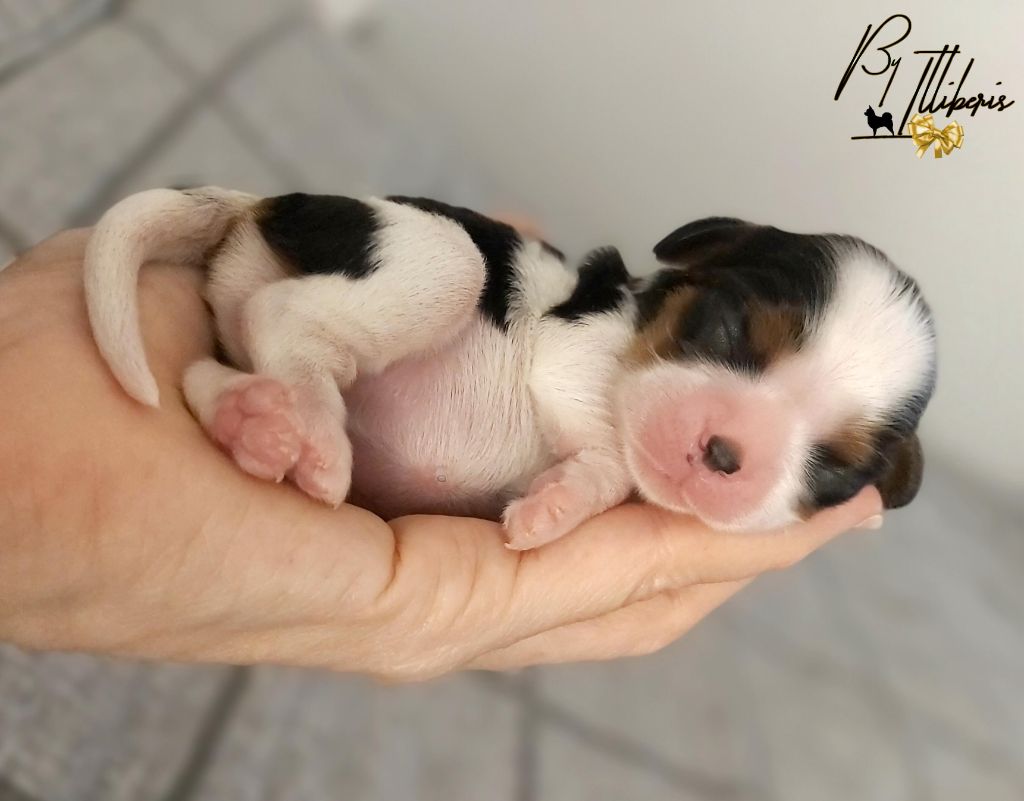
856, 443
902, 478
774, 331
659, 338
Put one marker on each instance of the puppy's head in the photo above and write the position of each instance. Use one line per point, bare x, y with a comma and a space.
774, 374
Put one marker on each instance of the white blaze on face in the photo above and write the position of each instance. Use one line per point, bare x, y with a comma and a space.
870, 351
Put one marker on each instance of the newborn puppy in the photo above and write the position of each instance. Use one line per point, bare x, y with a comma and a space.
418, 357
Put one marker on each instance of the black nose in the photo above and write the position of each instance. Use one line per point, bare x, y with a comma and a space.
722, 455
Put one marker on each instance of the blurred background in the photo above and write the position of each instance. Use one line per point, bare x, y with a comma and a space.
889, 666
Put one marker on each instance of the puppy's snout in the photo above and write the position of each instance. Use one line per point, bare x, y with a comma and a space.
722, 456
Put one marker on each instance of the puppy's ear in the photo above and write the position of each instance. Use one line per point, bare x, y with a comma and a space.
901, 477
697, 238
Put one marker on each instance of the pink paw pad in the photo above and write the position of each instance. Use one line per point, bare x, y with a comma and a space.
257, 423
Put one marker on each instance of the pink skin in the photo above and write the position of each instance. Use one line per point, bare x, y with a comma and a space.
257, 424
666, 431
554, 504
261, 423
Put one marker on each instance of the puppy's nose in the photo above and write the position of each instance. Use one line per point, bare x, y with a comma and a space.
722, 456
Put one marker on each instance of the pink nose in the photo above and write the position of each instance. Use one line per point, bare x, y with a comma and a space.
721, 455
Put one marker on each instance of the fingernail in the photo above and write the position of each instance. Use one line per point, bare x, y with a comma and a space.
872, 523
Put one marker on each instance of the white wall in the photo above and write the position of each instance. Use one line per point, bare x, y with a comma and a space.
616, 121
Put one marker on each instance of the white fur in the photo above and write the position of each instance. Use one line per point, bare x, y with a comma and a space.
873, 347
543, 282
244, 264
571, 379
157, 224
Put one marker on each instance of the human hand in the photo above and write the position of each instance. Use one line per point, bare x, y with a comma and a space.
125, 531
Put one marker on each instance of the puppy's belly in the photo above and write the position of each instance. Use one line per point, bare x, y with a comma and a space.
452, 432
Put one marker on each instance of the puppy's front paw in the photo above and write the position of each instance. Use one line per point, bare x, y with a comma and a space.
548, 512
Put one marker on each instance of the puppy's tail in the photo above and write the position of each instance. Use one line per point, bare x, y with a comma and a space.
164, 224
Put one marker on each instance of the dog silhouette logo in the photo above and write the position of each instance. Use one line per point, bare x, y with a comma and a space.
876, 121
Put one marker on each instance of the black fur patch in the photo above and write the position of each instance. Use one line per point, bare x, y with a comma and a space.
908, 414
497, 242
687, 241
599, 288
756, 262
776, 267
715, 328
320, 234
832, 480
552, 250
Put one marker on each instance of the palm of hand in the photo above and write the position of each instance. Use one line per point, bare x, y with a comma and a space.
129, 533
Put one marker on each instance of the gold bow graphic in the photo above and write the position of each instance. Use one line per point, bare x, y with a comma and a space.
924, 133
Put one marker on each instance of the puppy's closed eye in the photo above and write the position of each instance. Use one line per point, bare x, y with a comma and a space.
715, 329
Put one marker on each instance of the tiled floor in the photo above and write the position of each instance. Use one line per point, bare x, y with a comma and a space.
889, 666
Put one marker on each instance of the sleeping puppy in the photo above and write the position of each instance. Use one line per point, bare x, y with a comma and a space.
418, 357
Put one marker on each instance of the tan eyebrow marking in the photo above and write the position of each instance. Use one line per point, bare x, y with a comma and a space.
774, 331
659, 337
856, 443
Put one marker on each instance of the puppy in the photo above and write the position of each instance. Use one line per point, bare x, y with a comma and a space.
419, 357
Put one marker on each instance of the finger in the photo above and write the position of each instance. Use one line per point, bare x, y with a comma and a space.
635, 551
695, 554
61, 248
174, 318
522, 223
640, 628
175, 322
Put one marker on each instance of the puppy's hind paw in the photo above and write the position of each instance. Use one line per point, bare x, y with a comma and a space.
257, 424
324, 469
